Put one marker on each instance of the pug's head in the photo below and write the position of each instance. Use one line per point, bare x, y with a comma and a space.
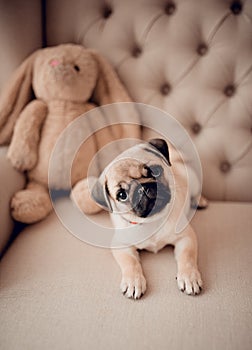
135, 185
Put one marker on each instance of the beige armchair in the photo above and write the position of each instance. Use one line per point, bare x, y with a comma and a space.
192, 59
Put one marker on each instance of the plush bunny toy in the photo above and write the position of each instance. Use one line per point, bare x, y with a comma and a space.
47, 92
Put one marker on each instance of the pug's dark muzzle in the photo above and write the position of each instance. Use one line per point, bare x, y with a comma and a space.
150, 198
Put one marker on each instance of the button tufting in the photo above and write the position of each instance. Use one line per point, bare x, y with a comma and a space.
136, 52
107, 12
165, 89
196, 128
225, 167
229, 90
236, 7
202, 49
170, 8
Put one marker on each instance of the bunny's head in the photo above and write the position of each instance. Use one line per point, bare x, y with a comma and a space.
65, 72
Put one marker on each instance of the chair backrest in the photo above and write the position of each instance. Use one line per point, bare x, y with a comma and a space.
191, 58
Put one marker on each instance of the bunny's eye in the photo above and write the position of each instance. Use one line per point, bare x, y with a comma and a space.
77, 68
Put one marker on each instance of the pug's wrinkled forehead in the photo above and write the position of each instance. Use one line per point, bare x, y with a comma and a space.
152, 150
123, 171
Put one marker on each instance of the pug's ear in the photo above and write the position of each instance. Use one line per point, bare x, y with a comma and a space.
162, 147
100, 194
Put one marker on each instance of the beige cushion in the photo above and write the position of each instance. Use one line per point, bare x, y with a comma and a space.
10, 182
60, 293
189, 58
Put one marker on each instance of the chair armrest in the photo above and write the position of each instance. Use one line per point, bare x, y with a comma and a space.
10, 182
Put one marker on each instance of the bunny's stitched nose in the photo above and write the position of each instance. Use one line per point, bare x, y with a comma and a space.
54, 63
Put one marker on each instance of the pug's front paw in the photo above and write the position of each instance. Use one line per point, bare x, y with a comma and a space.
133, 284
189, 281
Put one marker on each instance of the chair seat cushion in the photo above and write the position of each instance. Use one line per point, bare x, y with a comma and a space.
58, 292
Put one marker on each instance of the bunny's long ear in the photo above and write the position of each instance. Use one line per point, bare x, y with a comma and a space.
108, 89
14, 97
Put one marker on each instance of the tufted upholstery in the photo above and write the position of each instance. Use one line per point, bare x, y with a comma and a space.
191, 58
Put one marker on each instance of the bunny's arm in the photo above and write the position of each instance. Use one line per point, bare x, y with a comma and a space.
23, 150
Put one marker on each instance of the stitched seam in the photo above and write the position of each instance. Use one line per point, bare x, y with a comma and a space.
120, 63
245, 14
240, 80
217, 27
82, 36
208, 42
242, 154
243, 104
149, 26
244, 75
143, 39
186, 72
212, 112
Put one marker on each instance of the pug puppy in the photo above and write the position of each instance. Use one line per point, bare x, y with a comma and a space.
143, 195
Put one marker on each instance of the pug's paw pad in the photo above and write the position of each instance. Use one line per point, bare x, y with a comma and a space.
190, 281
133, 286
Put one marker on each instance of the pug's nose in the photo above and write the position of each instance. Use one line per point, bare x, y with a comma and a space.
148, 190
149, 198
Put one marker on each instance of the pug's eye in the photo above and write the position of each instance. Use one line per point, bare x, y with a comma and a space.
156, 171
122, 195
77, 68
